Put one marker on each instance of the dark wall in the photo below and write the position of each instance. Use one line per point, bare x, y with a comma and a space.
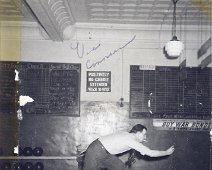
8, 134
66, 135
61, 136
192, 149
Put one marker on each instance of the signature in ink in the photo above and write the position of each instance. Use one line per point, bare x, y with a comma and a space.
80, 49
94, 64
93, 49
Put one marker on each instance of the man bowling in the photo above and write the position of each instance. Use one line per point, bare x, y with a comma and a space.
101, 153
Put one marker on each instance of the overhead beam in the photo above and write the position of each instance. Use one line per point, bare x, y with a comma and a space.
52, 15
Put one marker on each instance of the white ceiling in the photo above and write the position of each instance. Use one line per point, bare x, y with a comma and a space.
56, 15
135, 11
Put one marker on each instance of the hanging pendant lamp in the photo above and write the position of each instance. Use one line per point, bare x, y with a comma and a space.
174, 47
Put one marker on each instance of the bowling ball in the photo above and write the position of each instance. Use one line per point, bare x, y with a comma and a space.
37, 151
38, 166
28, 166
27, 151
6, 166
18, 166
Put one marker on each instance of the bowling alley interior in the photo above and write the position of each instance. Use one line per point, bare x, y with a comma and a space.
73, 71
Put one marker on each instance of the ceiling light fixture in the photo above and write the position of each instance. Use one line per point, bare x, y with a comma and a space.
174, 47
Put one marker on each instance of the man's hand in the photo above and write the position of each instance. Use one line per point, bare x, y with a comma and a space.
170, 150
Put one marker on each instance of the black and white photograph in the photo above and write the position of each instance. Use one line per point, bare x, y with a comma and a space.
105, 85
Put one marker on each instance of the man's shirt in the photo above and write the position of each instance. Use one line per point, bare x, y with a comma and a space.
122, 142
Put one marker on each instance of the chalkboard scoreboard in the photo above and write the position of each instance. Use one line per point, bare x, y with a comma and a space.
8, 87
170, 92
54, 87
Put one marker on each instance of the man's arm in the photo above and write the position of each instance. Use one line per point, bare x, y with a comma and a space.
152, 153
157, 153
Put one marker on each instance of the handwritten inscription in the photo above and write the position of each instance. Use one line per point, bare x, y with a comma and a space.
80, 49
93, 49
81, 52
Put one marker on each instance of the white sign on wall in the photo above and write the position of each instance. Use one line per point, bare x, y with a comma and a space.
182, 124
98, 81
